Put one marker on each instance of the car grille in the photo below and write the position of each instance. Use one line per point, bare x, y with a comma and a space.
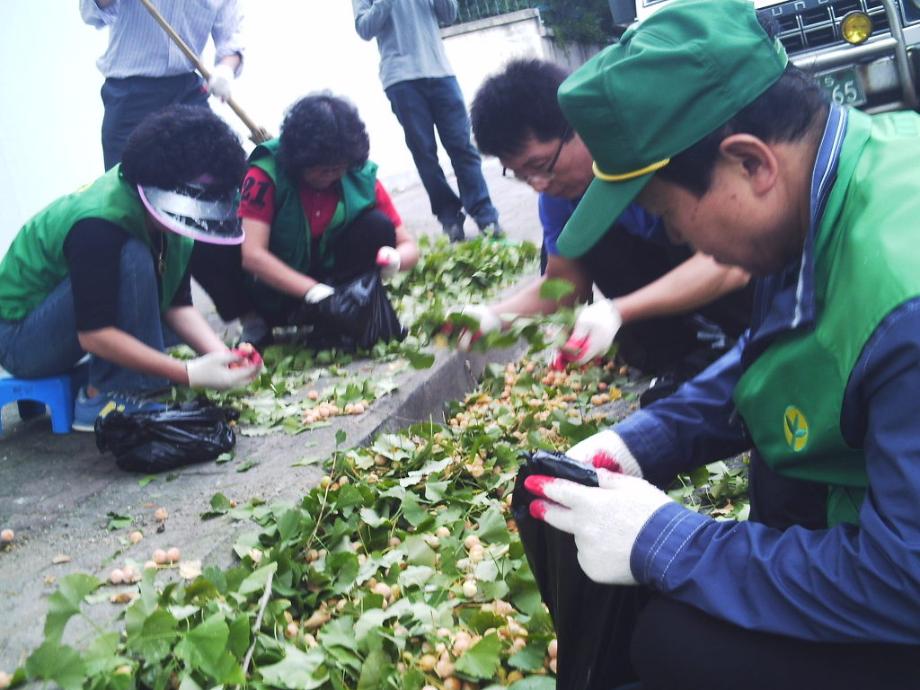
805, 26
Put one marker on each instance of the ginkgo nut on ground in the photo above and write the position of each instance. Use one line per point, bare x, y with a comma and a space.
7, 535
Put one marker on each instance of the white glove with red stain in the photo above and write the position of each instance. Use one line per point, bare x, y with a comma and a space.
605, 520
389, 261
595, 328
606, 449
213, 370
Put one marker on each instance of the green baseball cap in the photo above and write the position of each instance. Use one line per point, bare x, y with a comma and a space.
670, 81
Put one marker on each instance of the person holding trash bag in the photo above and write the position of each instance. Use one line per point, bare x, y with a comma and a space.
103, 269
315, 214
698, 114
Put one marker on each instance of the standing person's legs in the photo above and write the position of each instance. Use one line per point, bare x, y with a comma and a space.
128, 101
677, 646
409, 104
453, 123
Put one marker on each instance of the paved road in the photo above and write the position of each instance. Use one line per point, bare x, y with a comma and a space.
55, 491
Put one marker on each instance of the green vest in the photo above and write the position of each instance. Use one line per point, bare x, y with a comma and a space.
291, 238
866, 265
34, 264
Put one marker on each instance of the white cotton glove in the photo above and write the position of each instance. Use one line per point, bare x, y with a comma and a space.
606, 449
221, 82
318, 293
213, 370
605, 520
389, 261
489, 322
595, 328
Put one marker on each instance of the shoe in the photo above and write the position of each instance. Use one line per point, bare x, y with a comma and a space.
492, 230
87, 409
453, 228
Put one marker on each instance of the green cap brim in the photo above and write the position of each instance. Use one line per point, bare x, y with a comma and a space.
598, 210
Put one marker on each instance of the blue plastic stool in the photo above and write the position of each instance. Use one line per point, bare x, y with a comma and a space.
33, 395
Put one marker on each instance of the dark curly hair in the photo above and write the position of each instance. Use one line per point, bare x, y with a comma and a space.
177, 144
517, 103
322, 129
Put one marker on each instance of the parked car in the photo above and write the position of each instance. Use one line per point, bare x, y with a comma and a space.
865, 53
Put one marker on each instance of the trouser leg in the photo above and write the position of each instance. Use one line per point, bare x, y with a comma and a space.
128, 101
45, 342
409, 104
356, 246
218, 269
138, 315
677, 646
453, 125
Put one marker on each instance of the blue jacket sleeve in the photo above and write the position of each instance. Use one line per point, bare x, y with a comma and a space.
844, 584
694, 426
371, 16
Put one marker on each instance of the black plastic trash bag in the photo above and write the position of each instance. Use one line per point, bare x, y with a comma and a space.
593, 622
156, 441
358, 314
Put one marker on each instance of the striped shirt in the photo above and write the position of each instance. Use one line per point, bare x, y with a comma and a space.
138, 47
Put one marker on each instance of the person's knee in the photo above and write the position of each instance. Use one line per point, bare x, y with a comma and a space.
375, 228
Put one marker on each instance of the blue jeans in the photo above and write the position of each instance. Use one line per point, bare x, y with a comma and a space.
45, 342
420, 105
128, 101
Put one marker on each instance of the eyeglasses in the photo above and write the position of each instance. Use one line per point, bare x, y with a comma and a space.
546, 174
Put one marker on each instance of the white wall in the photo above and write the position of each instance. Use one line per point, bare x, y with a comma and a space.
50, 110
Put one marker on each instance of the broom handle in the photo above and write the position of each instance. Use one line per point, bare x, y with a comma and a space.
257, 134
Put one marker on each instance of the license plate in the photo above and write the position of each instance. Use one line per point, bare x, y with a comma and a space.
843, 86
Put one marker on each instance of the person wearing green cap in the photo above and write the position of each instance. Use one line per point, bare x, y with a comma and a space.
697, 114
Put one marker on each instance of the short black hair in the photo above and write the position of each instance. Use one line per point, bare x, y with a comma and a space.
178, 144
785, 112
322, 129
517, 103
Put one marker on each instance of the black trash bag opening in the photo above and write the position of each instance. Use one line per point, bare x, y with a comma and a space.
593, 622
359, 314
157, 441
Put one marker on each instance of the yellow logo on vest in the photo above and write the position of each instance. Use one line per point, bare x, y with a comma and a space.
795, 427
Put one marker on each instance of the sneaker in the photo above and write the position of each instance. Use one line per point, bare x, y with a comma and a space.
492, 230
87, 409
453, 228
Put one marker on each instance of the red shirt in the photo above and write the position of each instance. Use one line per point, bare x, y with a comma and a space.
257, 201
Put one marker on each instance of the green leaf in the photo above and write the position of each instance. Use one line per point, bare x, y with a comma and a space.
492, 527
256, 581
150, 635
339, 633
374, 671
297, 670
556, 288
224, 458
204, 648
220, 504
482, 659
534, 683
144, 481
412, 511
418, 360
56, 663
340, 436
248, 465
117, 521
528, 659
65, 603
415, 576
